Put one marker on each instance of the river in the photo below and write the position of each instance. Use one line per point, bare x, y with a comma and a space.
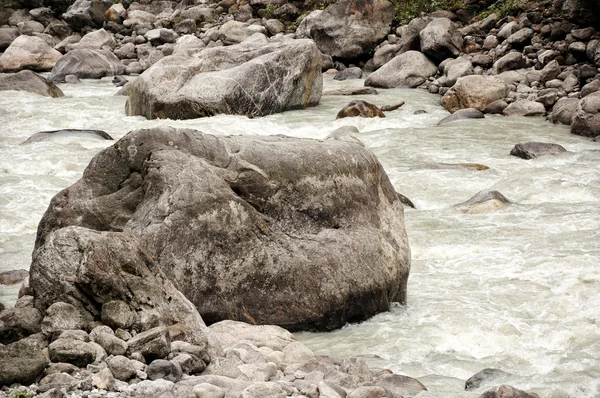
516, 289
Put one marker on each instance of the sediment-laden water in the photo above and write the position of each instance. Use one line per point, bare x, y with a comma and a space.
516, 289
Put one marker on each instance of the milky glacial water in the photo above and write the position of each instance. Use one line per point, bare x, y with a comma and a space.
516, 289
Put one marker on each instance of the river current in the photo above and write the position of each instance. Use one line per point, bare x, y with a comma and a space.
516, 289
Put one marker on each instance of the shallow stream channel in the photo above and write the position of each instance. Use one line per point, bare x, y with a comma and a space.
517, 288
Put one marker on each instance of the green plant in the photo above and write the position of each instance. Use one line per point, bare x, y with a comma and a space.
21, 392
406, 10
502, 8
270, 11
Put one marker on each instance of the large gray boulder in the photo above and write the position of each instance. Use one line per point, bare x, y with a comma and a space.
27, 80
441, 39
564, 109
253, 78
28, 52
586, 120
272, 230
409, 69
72, 266
86, 63
474, 92
87, 13
21, 362
349, 29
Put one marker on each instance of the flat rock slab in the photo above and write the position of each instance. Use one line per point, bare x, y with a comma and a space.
304, 234
532, 150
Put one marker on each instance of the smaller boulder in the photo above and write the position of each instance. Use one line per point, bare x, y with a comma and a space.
409, 69
505, 391
118, 314
486, 375
21, 362
532, 150
17, 323
586, 120
525, 108
87, 64
563, 110
14, 276
64, 316
7, 36
511, 61
483, 202
360, 108
349, 73
400, 385
121, 367
462, 114
441, 39
72, 351
95, 40
163, 369
28, 52
152, 344
27, 80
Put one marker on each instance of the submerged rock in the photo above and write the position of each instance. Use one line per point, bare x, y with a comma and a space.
485, 376
234, 223
253, 78
442, 166
532, 150
483, 202
505, 391
27, 80
12, 277
360, 108
462, 114
45, 135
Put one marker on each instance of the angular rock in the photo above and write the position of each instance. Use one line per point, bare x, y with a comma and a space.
28, 52
586, 120
251, 78
161, 36
21, 362
234, 32
27, 80
17, 323
260, 390
86, 13
349, 29
532, 150
87, 64
520, 38
189, 364
590, 88
564, 110
457, 68
368, 392
511, 61
349, 73
474, 92
98, 39
103, 380
62, 316
111, 344
409, 69
496, 107
206, 390
525, 108
118, 314
277, 197
71, 351
441, 39
462, 114
152, 344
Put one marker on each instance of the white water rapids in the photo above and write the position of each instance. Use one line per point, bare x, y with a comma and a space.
516, 289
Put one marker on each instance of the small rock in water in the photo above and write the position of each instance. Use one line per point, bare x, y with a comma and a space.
393, 107
462, 114
12, 277
119, 81
483, 202
450, 166
532, 150
72, 79
420, 112
44, 135
486, 375
351, 91
505, 391
406, 201
360, 108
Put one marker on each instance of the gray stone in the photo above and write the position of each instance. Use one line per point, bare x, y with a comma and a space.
103, 380
496, 107
86, 13
87, 64
63, 316
189, 364
251, 78
550, 71
30, 27
161, 36
457, 68
331, 390
121, 367
511, 61
163, 369
7, 36
152, 344
462, 114
98, 39
564, 110
590, 88
17, 323
368, 392
400, 385
14, 276
21, 362
586, 120
111, 344
28, 52
27, 80
505, 391
261, 390
409, 69
507, 30
80, 335
71, 351
57, 380
520, 38
118, 314
525, 108
483, 202
532, 150
441, 39
206, 390
348, 30
234, 32
474, 92
357, 261
349, 73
